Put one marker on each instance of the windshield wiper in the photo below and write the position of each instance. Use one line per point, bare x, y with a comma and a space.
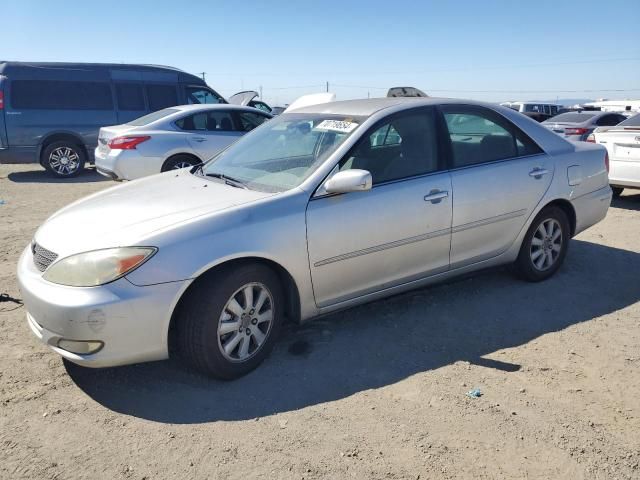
234, 182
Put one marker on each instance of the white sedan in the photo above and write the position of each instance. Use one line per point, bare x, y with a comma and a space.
623, 144
175, 137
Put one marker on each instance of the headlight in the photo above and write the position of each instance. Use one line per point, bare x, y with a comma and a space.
95, 268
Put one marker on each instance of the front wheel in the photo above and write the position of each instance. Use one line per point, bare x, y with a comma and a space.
63, 159
544, 246
229, 322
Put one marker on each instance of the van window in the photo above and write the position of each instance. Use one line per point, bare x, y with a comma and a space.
60, 95
152, 117
161, 96
201, 95
130, 96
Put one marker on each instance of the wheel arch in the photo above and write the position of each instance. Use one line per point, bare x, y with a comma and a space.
567, 208
290, 289
61, 137
176, 154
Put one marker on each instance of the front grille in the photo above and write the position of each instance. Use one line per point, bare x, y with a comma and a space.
42, 257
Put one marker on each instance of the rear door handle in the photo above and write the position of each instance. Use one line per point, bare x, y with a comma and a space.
435, 196
199, 139
538, 172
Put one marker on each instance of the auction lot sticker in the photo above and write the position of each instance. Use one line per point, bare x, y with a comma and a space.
336, 126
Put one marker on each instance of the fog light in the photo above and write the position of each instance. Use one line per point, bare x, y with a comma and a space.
80, 347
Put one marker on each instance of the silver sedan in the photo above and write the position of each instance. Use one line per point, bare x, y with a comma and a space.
173, 138
313, 212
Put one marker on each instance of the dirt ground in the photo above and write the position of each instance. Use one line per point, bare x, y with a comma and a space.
376, 392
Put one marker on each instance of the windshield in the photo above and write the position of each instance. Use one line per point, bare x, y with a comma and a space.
631, 122
572, 117
283, 152
152, 117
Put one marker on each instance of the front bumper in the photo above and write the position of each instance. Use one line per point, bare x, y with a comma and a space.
132, 322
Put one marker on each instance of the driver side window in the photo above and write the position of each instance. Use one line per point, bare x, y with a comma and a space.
402, 147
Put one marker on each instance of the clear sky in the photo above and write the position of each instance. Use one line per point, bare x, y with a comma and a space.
490, 50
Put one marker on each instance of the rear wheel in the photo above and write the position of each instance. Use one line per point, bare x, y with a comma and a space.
544, 246
63, 159
617, 191
179, 161
229, 322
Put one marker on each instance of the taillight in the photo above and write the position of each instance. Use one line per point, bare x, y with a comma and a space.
591, 138
575, 131
1, 100
127, 143
606, 160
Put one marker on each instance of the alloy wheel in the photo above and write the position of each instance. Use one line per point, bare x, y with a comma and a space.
546, 244
64, 161
245, 322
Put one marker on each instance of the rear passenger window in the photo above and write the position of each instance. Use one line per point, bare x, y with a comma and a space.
61, 95
479, 136
249, 121
161, 96
130, 96
403, 147
213, 121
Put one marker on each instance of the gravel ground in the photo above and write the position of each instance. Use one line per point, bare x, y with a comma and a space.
374, 392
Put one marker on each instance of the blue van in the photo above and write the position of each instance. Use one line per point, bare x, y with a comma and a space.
51, 112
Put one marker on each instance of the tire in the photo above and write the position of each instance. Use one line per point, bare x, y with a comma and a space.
529, 265
617, 191
63, 159
179, 161
207, 325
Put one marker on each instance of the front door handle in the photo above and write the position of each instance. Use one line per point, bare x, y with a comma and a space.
435, 196
538, 172
199, 139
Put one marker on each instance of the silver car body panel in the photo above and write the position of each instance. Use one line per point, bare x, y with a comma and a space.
336, 252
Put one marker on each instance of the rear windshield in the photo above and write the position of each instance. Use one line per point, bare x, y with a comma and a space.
152, 117
572, 117
631, 122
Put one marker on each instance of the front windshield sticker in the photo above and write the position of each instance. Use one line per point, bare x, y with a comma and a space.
336, 126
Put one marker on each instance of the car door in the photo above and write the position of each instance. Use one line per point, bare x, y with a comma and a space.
398, 231
498, 174
209, 131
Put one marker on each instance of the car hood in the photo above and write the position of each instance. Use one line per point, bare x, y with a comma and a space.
128, 214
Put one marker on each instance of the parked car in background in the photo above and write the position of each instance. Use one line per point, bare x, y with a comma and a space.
577, 126
248, 99
537, 110
277, 110
172, 138
623, 144
309, 214
51, 112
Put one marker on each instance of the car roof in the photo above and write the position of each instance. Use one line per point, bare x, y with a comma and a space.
200, 107
369, 106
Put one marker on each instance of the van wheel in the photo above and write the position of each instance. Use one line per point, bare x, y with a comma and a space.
617, 191
179, 161
544, 246
229, 321
63, 159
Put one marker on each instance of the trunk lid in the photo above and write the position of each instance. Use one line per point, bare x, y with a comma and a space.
107, 133
242, 98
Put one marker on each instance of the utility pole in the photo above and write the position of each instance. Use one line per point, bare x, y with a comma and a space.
203, 74
260, 91
327, 86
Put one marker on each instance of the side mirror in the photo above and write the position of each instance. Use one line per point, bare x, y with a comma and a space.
349, 181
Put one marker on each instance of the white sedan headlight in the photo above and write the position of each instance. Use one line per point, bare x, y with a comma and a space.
98, 267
